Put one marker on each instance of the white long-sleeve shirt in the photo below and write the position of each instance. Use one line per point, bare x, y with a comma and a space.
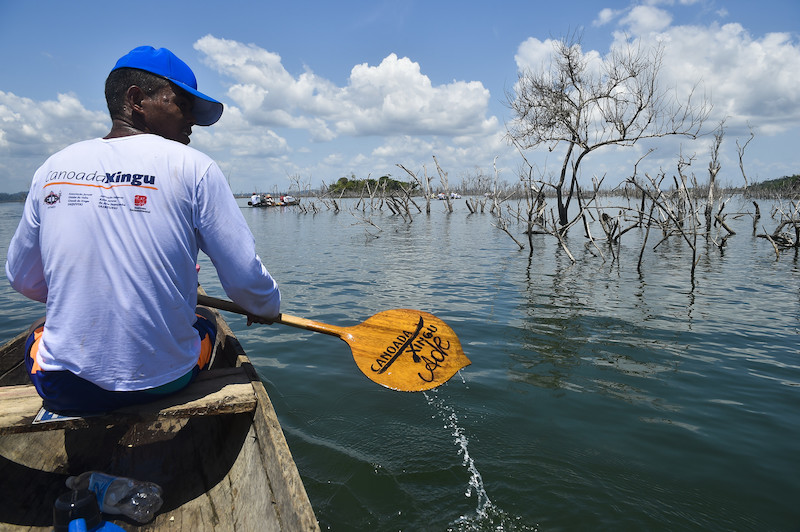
109, 239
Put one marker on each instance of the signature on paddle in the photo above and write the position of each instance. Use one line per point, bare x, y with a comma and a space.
423, 338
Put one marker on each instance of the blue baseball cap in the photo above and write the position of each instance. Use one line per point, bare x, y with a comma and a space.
164, 63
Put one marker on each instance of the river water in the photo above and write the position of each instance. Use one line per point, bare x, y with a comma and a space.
599, 397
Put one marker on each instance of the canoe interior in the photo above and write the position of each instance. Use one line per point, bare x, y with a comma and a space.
218, 471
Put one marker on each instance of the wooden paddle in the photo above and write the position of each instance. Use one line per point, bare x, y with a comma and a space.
402, 349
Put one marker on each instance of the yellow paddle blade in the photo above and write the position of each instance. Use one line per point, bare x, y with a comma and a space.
405, 350
402, 349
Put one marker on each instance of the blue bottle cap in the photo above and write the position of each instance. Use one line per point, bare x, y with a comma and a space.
77, 504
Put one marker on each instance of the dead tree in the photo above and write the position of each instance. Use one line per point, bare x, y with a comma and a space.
740, 149
424, 183
713, 169
780, 238
368, 224
580, 107
445, 184
676, 213
474, 187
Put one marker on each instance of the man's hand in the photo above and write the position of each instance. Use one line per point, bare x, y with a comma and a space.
251, 319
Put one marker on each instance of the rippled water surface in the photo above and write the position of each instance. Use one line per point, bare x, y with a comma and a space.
599, 397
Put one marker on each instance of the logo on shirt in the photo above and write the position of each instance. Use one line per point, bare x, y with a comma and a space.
52, 198
134, 179
112, 179
140, 203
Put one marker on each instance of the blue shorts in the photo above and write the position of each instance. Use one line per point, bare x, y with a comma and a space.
64, 392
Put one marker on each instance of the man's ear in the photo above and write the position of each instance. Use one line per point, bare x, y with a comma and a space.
133, 98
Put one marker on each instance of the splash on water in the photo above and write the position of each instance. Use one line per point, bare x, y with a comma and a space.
487, 516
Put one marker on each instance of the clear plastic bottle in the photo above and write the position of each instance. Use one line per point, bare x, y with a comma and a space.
139, 500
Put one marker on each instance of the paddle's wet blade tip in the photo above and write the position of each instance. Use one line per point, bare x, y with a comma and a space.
406, 350
418, 377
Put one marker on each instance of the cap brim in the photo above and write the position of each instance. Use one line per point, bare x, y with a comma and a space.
206, 110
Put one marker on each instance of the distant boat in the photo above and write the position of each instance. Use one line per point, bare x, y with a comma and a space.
443, 196
266, 200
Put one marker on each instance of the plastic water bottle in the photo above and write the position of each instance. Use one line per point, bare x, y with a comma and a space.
136, 499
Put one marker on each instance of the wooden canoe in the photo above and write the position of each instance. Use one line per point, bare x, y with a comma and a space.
216, 448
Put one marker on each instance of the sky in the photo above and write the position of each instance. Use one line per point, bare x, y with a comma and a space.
316, 91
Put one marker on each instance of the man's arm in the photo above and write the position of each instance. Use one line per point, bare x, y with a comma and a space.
24, 267
223, 234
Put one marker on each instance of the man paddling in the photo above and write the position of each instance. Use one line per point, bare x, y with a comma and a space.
109, 239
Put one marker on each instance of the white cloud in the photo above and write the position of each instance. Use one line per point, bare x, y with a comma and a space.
534, 54
233, 134
605, 16
390, 98
402, 147
537, 55
645, 19
749, 80
278, 123
384, 114
396, 97
30, 131
38, 128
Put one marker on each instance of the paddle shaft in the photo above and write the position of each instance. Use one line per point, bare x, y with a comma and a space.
286, 319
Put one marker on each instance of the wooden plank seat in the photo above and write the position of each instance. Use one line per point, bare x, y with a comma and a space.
215, 392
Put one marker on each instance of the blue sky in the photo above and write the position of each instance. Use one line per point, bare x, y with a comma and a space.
321, 90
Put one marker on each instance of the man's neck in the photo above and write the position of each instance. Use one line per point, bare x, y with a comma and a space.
122, 128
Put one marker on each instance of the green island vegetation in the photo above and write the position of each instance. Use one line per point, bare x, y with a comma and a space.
354, 186
787, 187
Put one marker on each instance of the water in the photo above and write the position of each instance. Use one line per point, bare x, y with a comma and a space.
599, 398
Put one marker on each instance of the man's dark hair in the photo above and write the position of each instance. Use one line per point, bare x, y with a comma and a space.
121, 79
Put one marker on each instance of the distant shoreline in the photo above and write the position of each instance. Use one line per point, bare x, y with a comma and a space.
785, 187
8, 198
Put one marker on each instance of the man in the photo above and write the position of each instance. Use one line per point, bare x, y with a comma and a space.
109, 240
